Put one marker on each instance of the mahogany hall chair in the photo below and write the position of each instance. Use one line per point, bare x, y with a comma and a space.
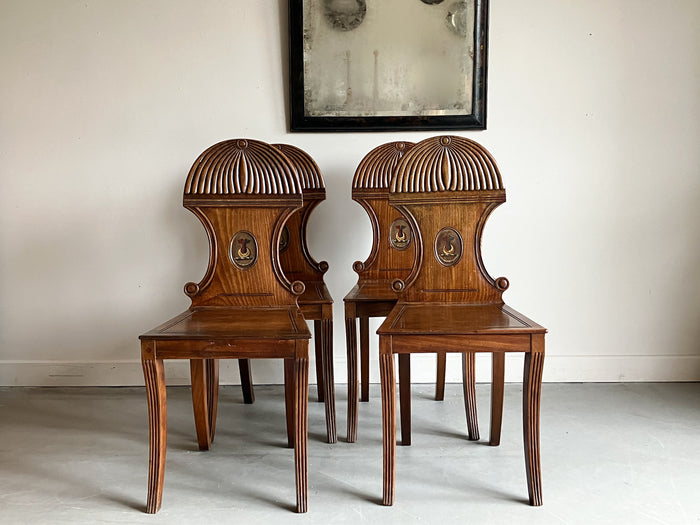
316, 302
242, 191
391, 257
447, 187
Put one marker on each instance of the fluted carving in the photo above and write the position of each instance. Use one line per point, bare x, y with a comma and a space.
469, 388
351, 342
307, 169
377, 167
532, 389
447, 163
388, 382
301, 402
154, 376
240, 167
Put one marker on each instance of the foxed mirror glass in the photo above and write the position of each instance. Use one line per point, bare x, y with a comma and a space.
388, 64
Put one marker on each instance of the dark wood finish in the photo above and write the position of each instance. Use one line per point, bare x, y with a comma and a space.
244, 307
297, 264
497, 391
446, 187
373, 296
440, 383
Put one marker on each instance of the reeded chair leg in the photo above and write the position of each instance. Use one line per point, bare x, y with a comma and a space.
318, 347
405, 397
532, 388
327, 373
204, 374
246, 381
154, 376
364, 359
388, 383
497, 387
440, 376
469, 387
351, 347
299, 369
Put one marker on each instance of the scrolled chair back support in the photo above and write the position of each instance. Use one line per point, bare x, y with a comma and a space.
449, 186
249, 188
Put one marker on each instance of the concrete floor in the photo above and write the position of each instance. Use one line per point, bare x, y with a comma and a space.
612, 453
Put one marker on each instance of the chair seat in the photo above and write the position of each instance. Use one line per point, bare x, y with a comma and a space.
372, 291
226, 324
315, 293
456, 319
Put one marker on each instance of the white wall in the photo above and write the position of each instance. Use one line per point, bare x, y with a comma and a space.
593, 116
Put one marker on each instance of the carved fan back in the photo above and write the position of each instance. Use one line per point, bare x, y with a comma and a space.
243, 191
388, 259
447, 187
297, 263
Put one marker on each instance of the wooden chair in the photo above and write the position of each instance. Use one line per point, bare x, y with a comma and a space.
392, 256
316, 302
447, 187
242, 191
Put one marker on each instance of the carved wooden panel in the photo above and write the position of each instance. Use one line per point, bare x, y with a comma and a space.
447, 163
297, 263
243, 191
393, 246
447, 187
242, 167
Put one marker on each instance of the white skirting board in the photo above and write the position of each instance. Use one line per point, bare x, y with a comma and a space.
558, 368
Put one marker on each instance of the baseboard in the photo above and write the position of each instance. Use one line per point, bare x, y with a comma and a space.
557, 368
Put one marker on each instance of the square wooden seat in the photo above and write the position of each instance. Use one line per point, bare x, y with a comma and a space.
242, 191
447, 187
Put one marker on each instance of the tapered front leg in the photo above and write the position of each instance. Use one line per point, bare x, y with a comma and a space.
318, 346
212, 366
289, 399
246, 381
301, 402
388, 383
469, 387
329, 380
154, 376
440, 376
405, 397
497, 386
532, 388
364, 359
200, 402
351, 345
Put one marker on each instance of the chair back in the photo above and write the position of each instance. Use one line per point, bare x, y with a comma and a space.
447, 187
243, 191
393, 245
297, 263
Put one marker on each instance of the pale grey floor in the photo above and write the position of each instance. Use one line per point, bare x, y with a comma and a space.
612, 453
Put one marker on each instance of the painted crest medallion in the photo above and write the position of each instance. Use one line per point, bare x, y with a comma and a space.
448, 246
243, 250
400, 234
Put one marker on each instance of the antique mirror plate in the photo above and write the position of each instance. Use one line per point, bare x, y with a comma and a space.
388, 64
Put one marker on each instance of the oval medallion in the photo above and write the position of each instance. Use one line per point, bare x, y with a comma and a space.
243, 250
284, 239
400, 234
448, 246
